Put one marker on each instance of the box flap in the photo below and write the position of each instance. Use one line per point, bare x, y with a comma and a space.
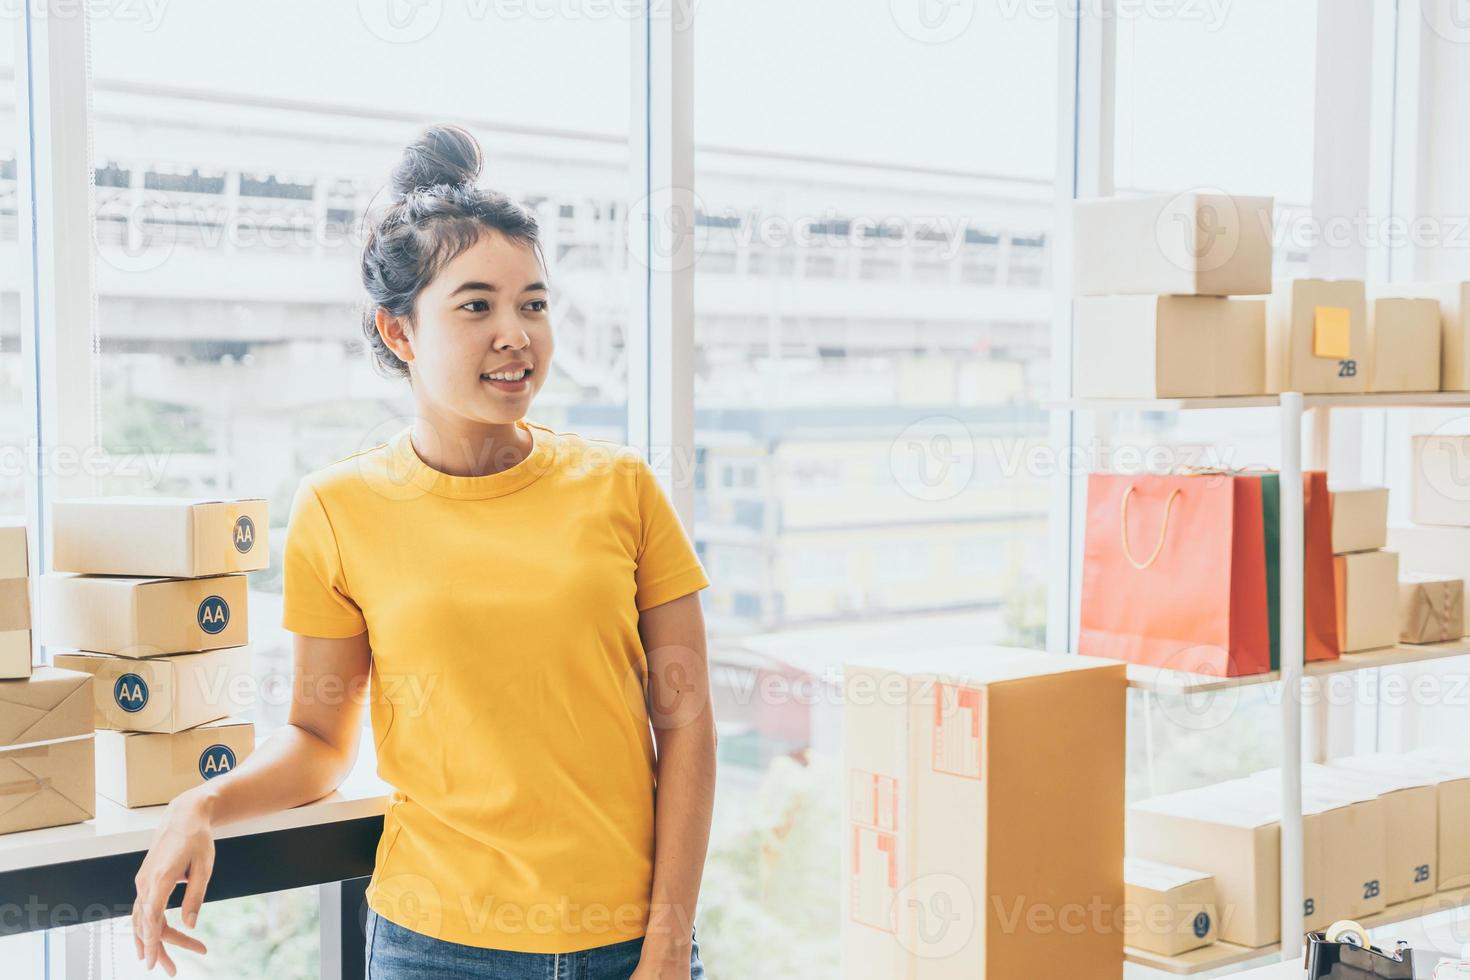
1159, 877
52, 703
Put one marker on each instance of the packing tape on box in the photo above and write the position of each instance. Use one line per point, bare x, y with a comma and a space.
32, 785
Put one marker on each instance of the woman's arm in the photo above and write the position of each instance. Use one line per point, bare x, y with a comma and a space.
303, 761
684, 732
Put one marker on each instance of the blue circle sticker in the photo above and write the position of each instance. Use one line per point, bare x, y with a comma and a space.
244, 534
213, 615
1202, 925
216, 761
130, 692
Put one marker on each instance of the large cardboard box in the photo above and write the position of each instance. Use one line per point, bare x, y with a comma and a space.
15, 655
174, 536
1454, 320
1431, 608
1192, 244
1168, 347
144, 617
1403, 339
1411, 815
1451, 779
1171, 910
1439, 480
146, 769
1317, 337
46, 750
942, 751
165, 694
1367, 600
1359, 518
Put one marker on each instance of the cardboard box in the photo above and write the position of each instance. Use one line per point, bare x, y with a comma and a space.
164, 694
46, 750
942, 751
1229, 832
1451, 779
144, 617
47, 784
146, 769
1168, 347
1439, 480
1431, 608
1432, 550
1454, 321
14, 555
1411, 814
1403, 340
174, 536
1317, 337
1359, 518
15, 604
1172, 910
15, 655
55, 703
1367, 600
1189, 244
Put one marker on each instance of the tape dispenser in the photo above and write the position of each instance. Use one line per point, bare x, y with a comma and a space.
1342, 952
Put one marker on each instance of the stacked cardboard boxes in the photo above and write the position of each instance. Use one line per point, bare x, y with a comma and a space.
1153, 277
152, 594
46, 736
986, 783
1367, 575
1435, 550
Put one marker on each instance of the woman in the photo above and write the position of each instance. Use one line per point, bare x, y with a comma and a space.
525, 604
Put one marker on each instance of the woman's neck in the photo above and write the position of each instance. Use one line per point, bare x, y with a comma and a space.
463, 447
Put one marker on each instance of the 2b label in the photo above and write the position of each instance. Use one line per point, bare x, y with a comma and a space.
1347, 369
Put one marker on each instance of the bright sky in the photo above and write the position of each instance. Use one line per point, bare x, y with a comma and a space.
1210, 92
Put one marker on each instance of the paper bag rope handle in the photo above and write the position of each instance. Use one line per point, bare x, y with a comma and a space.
1163, 529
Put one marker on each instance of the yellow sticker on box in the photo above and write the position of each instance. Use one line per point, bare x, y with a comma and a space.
1332, 332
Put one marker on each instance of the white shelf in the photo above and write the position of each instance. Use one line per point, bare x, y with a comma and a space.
1409, 399
1162, 681
1219, 955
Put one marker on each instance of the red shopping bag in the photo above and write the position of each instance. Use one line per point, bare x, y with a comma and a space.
1174, 573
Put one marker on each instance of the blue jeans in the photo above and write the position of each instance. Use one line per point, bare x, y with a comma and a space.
397, 953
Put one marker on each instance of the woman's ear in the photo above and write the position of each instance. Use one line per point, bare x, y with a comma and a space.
394, 331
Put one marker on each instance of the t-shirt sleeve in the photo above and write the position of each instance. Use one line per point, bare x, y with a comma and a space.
668, 567
315, 598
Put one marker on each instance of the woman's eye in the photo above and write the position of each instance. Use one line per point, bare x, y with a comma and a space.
476, 306
537, 306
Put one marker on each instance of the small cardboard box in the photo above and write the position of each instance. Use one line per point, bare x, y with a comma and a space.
1189, 244
147, 769
1170, 910
1230, 832
14, 558
1411, 815
1454, 324
1451, 779
164, 694
1367, 600
15, 655
159, 536
1439, 480
1168, 347
1431, 608
1432, 550
50, 783
1359, 518
1403, 337
1317, 337
144, 617
942, 750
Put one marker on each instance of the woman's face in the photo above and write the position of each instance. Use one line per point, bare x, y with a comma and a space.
480, 345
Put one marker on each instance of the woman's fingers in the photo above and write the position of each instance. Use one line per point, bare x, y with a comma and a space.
183, 940
198, 878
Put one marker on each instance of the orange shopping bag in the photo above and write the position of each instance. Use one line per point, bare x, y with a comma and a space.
1174, 573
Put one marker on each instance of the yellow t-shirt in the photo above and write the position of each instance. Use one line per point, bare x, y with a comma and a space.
508, 678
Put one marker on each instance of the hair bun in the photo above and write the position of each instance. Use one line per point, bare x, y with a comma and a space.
443, 154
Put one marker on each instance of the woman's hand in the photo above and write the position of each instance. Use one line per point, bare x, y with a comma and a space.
182, 850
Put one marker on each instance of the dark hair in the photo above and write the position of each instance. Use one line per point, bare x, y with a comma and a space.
436, 213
